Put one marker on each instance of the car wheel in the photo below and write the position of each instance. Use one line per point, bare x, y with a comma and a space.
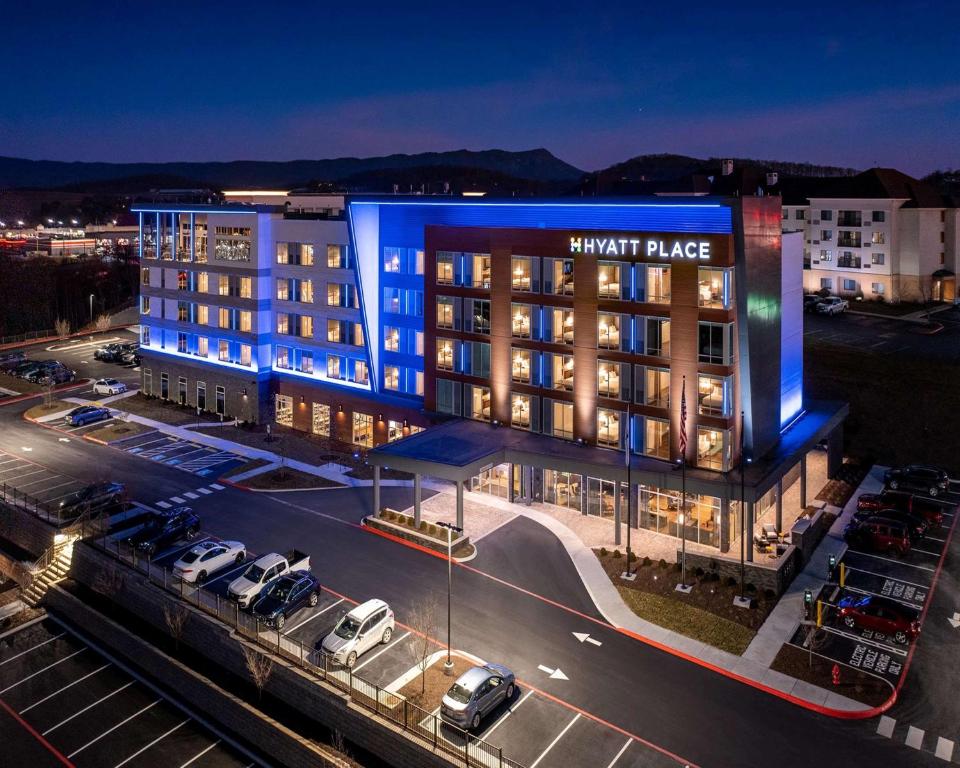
934, 491
893, 485
281, 620
313, 599
387, 634
510, 691
896, 551
351, 659
201, 577
475, 722
900, 637
240, 558
849, 621
191, 532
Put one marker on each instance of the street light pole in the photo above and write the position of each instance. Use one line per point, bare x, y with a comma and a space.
448, 664
743, 508
91, 307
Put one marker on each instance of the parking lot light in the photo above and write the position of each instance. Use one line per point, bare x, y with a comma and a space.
448, 664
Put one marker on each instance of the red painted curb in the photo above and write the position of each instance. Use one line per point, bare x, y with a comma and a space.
62, 388
411, 544
33, 732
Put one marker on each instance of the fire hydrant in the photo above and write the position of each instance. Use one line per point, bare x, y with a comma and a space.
835, 674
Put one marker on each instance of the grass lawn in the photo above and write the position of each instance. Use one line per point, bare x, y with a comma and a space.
119, 430
289, 479
55, 406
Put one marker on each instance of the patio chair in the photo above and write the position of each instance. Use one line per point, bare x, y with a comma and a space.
761, 544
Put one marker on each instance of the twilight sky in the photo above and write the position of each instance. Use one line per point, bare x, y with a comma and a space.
856, 83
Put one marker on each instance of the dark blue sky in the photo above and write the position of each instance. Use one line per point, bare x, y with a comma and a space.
847, 83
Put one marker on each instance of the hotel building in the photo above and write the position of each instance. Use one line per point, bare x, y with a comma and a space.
538, 343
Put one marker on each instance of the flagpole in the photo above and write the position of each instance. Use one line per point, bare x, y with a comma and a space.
629, 510
683, 480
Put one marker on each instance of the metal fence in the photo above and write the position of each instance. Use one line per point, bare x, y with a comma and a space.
460, 746
30, 336
35, 506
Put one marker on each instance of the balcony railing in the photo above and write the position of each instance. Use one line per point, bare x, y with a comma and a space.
849, 262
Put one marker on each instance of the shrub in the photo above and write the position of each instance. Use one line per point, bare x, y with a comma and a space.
632, 558
616, 554
769, 594
731, 582
750, 588
423, 525
646, 561
662, 563
715, 576
677, 567
603, 552
432, 529
699, 572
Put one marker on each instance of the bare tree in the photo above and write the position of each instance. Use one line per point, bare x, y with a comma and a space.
48, 388
102, 323
62, 327
424, 619
175, 617
260, 667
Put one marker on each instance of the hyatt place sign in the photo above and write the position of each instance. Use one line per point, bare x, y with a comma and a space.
622, 246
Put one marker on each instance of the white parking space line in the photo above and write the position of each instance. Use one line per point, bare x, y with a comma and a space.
205, 491
944, 749
111, 730
191, 495
61, 496
215, 487
934, 538
311, 618
32, 648
907, 603
620, 753
60, 485
552, 744
41, 671
892, 560
181, 456
885, 726
884, 576
61, 690
859, 639
25, 474
914, 737
226, 573
180, 548
510, 711
387, 647
148, 442
34, 482
163, 505
200, 754
177, 500
925, 552
88, 707
155, 741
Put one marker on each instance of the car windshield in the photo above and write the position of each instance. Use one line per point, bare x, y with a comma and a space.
347, 628
110, 382
253, 573
459, 693
190, 557
280, 590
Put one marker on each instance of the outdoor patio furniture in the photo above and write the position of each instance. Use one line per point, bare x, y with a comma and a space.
771, 533
761, 544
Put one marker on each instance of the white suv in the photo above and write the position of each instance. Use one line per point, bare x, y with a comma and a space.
365, 627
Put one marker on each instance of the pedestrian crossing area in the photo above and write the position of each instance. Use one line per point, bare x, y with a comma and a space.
196, 493
918, 738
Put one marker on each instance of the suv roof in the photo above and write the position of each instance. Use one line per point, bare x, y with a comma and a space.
367, 609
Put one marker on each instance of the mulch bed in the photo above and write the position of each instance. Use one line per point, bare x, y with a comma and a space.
121, 430
365, 472
38, 411
435, 681
160, 410
839, 490
854, 683
288, 479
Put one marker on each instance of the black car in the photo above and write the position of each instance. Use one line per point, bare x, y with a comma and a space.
10, 360
286, 596
810, 302
44, 369
26, 367
109, 353
162, 529
58, 375
94, 498
916, 526
921, 478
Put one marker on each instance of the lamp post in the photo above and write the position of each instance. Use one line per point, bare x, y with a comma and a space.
743, 509
91, 307
448, 664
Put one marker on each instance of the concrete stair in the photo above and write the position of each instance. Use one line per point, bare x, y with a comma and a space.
56, 571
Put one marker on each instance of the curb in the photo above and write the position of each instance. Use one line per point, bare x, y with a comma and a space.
31, 396
414, 545
42, 339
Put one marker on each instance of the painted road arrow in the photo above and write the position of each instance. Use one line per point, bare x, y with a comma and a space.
955, 621
555, 674
583, 637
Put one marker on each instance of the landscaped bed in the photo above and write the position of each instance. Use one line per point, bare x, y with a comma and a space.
284, 478
160, 410
21, 386
365, 472
707, 613
243, 468
854, 683
54, 406
121, 430
838, 490
426, 691
433, 535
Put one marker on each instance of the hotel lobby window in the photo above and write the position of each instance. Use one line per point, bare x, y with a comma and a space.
363, 429
562, 489
657, 387
391, 377
445, 356
444, 312
716, 343
520, 406
601, 497
320, 421
481, 270
284, 405
391, 338
713, 448
563, 372
714, 395
521, 315
608, 379
715, 288
608, 280
562, 414
520, 368
608, 330
608, 427
656, 438
657, 342
495, 481
522, 274
445, 268
563, 326
480, 403
561, 274
658, 285
660, 511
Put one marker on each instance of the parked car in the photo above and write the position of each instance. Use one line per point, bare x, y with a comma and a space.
94, 498
208, 557
916, 526
365, 627
879, 535
477, 692
285, 596
131, 356
40, 372
109, 387
58, 375
10, 360
928, 509
107, 353
87, 414
162, 529
250, 584
26, 367
832, 305
879, 614
811, 301
919, 478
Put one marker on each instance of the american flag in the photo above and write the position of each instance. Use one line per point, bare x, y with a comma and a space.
683, 417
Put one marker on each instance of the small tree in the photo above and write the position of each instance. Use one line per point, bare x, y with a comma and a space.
62, 327
423, 622
102, 323
175, 617
260, 667
48, 387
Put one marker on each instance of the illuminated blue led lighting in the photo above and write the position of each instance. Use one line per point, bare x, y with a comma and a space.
205, 360
793, 421
319, 376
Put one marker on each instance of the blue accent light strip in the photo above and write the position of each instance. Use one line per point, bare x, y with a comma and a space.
206, 360
320, 377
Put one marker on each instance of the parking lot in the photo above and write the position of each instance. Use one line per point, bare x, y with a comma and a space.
93, 712
20, 475
77, 354
183, 454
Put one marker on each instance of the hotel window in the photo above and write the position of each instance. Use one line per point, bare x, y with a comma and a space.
826, 283
165, 386
283, 322
418, 343
363, 429
521, 407
334, 331
445, 268
445, 312
283, 357
608, 280
658, 284
221, 399
203, 314
283, 289
145, 335
357, 334
306, 291
657, 387
181, 280
202, 395
826, 235
608, 330
714, 395
879, 238
306, 326
522, 274
144, 305
223, 285
391, 338
715, 288
306, 254
223, 351
419, 261
360, 373
801, 214
826, 215
334, 293
877, 288
283, 405
657, 337
849, 285
246, 321
713, 448
610, 378
716, 344
826, 254
878, 216
203, 282
562, 370
182, 390
246, 287
203, 346
223, 317
182, 343
849, 219
520, 366
391, 377
559, 277
334, 369
445, 354
337, 257
562, 419
246, 354
479, 403
476, 359
418, 384
481, 270
563, 326
295, 253
231, 249
391, 259
145, 276
877, 258
521, 314
448, 397
479, 316
656, 438
391, 300
394, 430
608, 427
320, 420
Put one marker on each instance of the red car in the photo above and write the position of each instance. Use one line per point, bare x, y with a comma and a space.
878, 614
880, 535
931, 511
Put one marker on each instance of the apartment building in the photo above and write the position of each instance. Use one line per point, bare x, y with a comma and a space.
879, 235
